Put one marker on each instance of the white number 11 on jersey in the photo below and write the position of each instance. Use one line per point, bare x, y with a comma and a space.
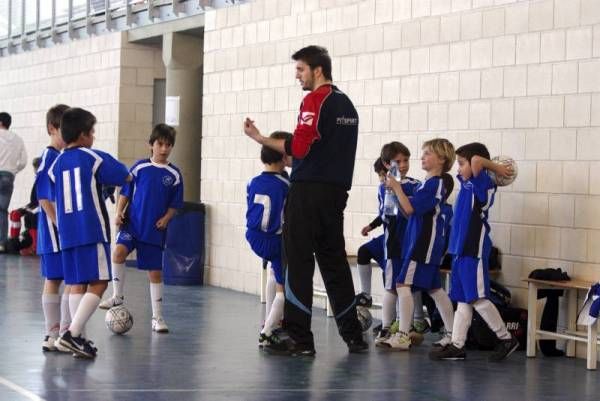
67, 191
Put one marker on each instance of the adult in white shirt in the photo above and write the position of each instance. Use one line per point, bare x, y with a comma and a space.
13, 158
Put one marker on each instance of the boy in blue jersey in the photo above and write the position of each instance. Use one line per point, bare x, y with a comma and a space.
424, 241
265, 198
56, 310
374, 249
151, 199
394, 227
470, 245
78, 174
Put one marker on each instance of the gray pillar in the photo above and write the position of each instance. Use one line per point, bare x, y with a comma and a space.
182, 55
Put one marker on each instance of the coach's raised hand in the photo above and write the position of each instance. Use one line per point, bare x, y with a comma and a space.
251, 130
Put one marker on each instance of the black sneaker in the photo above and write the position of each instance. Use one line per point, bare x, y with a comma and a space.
364, 299
80, 347
503, 349
357, 345
280, 343
448, 353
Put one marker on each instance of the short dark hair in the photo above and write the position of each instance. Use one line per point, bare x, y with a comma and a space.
5, 119
315, 56
378, 166
473, 149
164, 132
390, 150
270, 156
54, 115
36, 162
75, 122
448, 183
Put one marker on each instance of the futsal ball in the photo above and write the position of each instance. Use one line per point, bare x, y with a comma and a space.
118, 319
364, 317
504, 181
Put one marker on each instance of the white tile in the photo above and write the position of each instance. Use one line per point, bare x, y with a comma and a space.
547, 242
364, 67
564, 78
513, 144
573, 244
460, 5
577, 110
593, 248
528, 48
383, 11
401, 62
535, 206
596, 41
579, 43
381, 119
411, 34
576, 177
481, 53
566, 13
479, 115
551, 111
417, 117
390, 91
471, 24
515, 81
409, 89
470, 85
541, 15
449, 86
522, 240
588, 143
399, 118
382, 64
458, 116
502, 113
589, 76
562, 210
563, 144
595, 110
493, 22
392, 36
373, 92
539, 79
419, 61
438, 58
526, 113
450, 28
366, 13
438, 116
428, 88
517, 18
421, 8
430, 31
549, 177
460, 54
587, 212
590, 12
594, 178
492, 83
553, 46
440, 7
504, 50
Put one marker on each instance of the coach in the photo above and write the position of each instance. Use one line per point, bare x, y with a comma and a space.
323, 148
13, 159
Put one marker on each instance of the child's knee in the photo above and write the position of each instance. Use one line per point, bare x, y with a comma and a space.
120, 254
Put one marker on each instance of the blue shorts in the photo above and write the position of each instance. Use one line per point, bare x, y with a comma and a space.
377, 249
87, 263
149, 256
420, 276
51, 266
268, 247
469, 280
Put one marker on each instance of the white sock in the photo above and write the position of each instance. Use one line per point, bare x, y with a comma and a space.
406, 308
491, 316
388, 309
270, 289
462, 322
65, 314
51, 308
118, 281
74, 301
156, 296
444, 306
364, 275
276, 314
418, 302
88, 305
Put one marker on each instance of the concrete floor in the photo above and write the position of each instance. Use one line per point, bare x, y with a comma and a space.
211, 354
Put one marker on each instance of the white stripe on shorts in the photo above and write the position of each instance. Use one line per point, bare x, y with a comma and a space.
103, 273
389, 275
480, 282
410, 273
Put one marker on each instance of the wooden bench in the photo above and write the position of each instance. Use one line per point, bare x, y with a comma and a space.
571, 334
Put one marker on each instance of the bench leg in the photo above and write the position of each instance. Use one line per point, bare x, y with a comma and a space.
571, 319
263, 284
531, 319
592, 341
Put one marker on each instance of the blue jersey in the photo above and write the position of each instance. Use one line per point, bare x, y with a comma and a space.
266, 195
78, 175
47, 233
470, 234
155, 188
425, 237
395, 226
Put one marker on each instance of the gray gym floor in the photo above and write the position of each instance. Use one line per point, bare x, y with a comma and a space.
211, 354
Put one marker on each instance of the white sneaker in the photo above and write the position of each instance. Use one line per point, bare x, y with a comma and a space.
111, 302
61, 348
49, 344
159, 325
383, 336
444, 341
400, 341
